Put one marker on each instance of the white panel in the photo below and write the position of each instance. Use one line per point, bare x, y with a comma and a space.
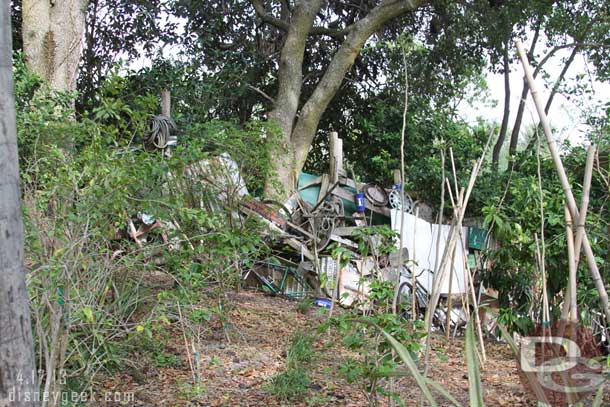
423, 236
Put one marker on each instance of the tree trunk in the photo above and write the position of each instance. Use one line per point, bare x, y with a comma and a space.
53, 39
17, 369
560, 78
514, 136
290, 78
504, 126
299, 126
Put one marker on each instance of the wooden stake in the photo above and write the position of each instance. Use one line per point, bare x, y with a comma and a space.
475, 302
584, 203
582, 220
571, 267
166, 103
438, 278
546, 317
402, 186
335, 296
449, 299
453, 234
414, 273
336, 157
591, 262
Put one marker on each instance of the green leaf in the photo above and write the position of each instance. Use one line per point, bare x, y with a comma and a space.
442, 391
475, 388
88, 312
406, 358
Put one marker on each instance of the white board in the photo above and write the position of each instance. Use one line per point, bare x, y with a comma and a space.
420, 236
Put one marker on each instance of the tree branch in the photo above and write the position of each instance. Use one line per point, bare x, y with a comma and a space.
340, 64
260, 91
284, 25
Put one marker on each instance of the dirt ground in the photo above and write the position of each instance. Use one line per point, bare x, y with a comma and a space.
236, 372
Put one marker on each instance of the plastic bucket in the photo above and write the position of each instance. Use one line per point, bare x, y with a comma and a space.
360, 202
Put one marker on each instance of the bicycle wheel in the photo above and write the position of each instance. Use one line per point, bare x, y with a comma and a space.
405, 302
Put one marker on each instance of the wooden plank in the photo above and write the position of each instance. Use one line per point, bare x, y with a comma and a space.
343, 241
324, 184
335, 147
344, 231
298, 246
166, 103
397, 177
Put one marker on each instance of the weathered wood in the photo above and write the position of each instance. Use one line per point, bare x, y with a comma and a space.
344, 180
397, 177
571, 266
16, 344
336, 156
166, 103
343, 241
324, 184
345, 231
563, 178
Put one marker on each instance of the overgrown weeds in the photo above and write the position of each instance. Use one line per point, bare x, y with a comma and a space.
295, 380
92, 296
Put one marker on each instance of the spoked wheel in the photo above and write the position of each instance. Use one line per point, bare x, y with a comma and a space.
405, 303
325, 219
396, 201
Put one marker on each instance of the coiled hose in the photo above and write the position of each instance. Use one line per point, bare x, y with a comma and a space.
159, 133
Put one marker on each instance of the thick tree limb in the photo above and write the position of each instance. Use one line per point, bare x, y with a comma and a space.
341, 63
283, 25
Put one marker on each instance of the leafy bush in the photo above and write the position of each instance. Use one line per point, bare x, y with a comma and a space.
83, 179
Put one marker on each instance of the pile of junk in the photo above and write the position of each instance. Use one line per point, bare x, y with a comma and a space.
331, 211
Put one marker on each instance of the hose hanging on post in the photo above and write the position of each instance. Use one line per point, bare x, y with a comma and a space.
159, 133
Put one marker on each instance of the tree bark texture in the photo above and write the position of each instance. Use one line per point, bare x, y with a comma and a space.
53, 39
298, 120
16, 345
514, 136
504, 127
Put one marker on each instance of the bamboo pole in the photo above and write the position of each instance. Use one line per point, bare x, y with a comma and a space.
475, 302
438, 278
456, 209
571, 266
546, 317
449, 300
414, 273
582, 220
402, 185
584, 203
591, 262
456, 225
441, 212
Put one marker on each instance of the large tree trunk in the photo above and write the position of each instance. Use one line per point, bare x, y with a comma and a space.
17, 369
299, 126
290, 78
53, 39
